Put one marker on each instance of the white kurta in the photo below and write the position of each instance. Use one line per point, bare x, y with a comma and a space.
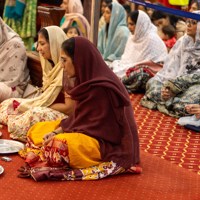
144, 45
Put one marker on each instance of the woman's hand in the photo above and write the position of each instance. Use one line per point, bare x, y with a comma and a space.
193, 109
48, 137
166, 93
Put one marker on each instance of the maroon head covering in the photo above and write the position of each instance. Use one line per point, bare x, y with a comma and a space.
103, 109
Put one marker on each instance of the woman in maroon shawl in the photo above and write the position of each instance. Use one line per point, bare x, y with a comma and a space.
100, 138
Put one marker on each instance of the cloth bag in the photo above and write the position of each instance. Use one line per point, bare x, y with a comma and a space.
136, 80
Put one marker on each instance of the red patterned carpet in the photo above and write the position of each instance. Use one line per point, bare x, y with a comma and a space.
169, 158
160, 135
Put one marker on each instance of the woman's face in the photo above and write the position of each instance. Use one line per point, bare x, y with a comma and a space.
107, 15
67, 64
191, 27
131, 25
193, 7
64, 5
72, 33
43, 47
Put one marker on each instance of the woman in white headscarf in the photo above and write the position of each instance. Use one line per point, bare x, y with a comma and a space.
178, 83
14, 74
19, 114
144, 44
74, 17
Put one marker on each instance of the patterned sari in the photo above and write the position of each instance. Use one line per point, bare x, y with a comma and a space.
180, 74
111, 44
86, 147
66, 157
20, 15
14, 75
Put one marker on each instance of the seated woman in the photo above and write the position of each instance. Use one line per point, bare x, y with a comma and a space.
161, 19
194, 5
74, 17
178, 83
100, 138
144, 43
14, 75
19, 114
114, 34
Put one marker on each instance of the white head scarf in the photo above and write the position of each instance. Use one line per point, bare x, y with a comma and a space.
184, 57
6, 33
144, 45
14, 72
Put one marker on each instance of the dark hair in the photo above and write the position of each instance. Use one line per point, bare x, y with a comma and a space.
173, 19
109, 6
107, 1
127, 8
68, 46
134, 16
44, 32
71, 27
107, 25
157, 14
169, 30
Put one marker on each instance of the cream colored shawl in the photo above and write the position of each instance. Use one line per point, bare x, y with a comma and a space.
52, 76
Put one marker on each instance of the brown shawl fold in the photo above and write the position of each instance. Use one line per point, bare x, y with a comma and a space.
103, 108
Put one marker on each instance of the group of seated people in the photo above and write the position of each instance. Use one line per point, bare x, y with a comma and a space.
169, 77
69, 138
80, 124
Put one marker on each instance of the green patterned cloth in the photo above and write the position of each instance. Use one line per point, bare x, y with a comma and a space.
20, 15
186, 89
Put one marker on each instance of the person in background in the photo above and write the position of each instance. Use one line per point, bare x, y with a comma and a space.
143, 42
14, 75
21, 16
85, 146
194, 5
74, 17
161, 19
114, 34
104, 3
71, 31
191, 122
177, 84
51, 103
168, 36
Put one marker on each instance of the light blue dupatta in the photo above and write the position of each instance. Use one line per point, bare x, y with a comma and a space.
113, 46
